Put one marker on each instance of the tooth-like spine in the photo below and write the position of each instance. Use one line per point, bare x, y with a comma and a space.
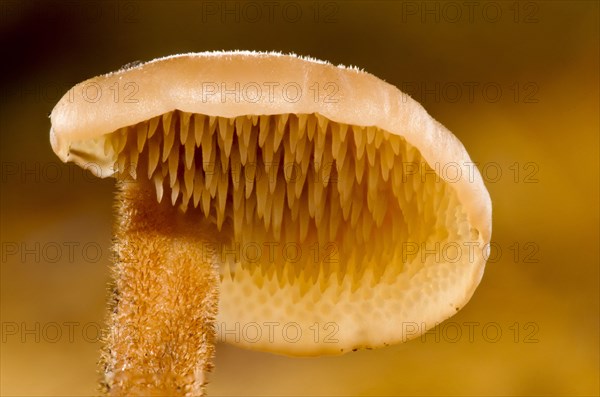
290, 194
228, 139
301, 178
311, 126
167, 120
212, 123
173, 160
223, 157
302, 120
319, 148
380, 210
250, 210
303, 219
213, 182
208, 154
267, 151
267, 212
370, 135
190, 149
326, 168
121, 162
319, 199
153, 154
278, 205
338, 136
371, 154
359, 141
296, 208
345, 181
398, 170
289, 166
263, 130
246, 132
158, 185
188, 176
185, 198
272, 171
253, 146
395, 143
114, 141
311, 194
198, 128
322, 223
322, 122
357, 204
346, 206
359, 168
142, 133
383, 162
243, 153
153, 126
184, 204
174, 192
262, 187
371, 200
206, 202
184, 126
293, 133
249, 175
378, 138
222, 125
122, 139
238, 196
239, 125
301, 147
373, 185
340, 155
334, 214
235, 169
390, 156
279, 130
169, 139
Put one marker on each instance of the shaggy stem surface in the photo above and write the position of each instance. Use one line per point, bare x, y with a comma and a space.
165, 298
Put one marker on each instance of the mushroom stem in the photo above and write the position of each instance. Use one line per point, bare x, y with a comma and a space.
165, 299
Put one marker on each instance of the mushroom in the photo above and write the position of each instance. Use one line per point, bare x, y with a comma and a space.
286, 204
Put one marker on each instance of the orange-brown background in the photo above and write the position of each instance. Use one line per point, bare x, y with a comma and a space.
548, 49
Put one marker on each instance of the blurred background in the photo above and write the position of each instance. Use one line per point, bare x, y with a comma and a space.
517, 82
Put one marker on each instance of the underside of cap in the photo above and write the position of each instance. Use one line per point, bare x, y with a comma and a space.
371, 282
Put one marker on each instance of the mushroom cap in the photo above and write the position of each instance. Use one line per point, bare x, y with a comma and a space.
83, 118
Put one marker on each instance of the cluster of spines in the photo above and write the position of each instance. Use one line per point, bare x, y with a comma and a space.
295, 178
